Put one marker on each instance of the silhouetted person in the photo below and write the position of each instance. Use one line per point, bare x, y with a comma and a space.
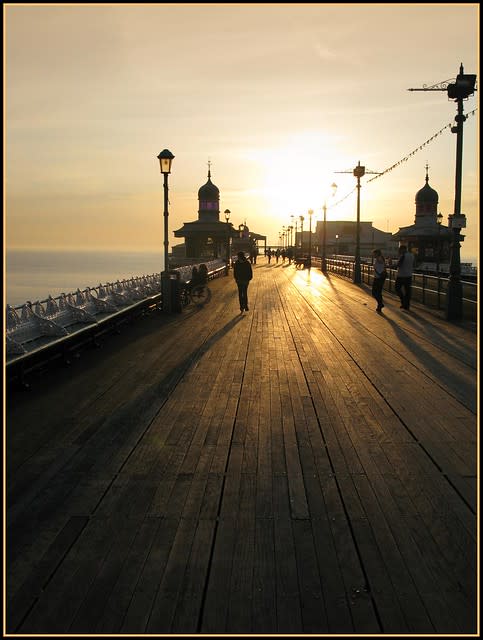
404, 276
242, 271
380, 275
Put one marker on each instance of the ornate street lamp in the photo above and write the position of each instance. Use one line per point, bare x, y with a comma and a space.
301, 218
336, 244
311, 213
228, 256
165, 160
333, 186
438, 255
459, 91
358, 172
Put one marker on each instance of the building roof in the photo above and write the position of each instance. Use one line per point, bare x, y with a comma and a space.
216, 227
427, 194
419, 230
208, 191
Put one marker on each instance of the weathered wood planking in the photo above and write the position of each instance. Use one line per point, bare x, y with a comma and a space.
307, 467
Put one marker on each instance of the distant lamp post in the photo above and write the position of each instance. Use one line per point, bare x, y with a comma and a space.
438, 254
301, 218
358, 172
336, 244
311, 213
291, 229
228, 256
333, 186
165, 160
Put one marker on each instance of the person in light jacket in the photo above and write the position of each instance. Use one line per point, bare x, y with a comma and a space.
242, 271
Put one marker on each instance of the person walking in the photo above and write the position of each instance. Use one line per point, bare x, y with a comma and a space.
242, 272
404, 276
380, 275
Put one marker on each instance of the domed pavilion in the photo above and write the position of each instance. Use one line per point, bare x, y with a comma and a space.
207, 237
427, 238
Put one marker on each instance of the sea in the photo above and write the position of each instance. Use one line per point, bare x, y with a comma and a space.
35, 274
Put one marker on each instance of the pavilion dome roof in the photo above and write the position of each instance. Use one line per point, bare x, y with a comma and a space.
427, 194
208, 191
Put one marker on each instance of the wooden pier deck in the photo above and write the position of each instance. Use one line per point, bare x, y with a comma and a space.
308, 467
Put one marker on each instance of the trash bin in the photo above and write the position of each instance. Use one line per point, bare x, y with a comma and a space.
171, 289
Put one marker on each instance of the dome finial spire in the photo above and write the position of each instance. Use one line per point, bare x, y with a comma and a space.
427, 176
209, 168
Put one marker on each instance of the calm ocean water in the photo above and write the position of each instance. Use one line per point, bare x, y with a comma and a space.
33, 275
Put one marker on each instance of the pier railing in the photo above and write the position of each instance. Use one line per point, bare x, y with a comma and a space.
56, 327
430, 290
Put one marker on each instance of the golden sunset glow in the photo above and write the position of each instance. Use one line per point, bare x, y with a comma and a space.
280, 98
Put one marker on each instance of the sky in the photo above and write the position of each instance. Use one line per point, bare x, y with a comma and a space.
279, 98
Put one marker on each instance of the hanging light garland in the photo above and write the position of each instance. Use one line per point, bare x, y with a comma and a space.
405, 159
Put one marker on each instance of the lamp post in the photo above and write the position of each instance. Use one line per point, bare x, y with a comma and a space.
165, 158
295, 239
301, 218
459, 91
324, 230
311, 213
358, 172
291, 229
438, 255
336, 244
228, 256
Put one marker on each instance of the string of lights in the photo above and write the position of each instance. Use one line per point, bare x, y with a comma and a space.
405, 159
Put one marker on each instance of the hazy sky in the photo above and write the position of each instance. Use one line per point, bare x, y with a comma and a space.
277, 96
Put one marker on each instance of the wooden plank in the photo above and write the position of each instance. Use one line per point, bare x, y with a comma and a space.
264, 613
255, 473
288, 596
24, 599
215, 610
170, 582
314, 615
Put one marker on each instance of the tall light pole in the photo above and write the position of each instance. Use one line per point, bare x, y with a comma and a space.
311, 213
165, 158
301, 218
359, 171
336, 244
291, 229
228, 256
459, 91
324, 230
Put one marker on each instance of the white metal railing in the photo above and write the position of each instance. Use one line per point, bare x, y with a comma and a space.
35, 324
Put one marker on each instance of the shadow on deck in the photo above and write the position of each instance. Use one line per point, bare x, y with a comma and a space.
308, 467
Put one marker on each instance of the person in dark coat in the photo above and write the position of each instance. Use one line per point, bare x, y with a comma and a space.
380, 275
242, 271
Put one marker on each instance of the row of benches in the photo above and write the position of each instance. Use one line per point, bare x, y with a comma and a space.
34, 325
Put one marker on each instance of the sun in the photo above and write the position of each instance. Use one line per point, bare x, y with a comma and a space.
297, 175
